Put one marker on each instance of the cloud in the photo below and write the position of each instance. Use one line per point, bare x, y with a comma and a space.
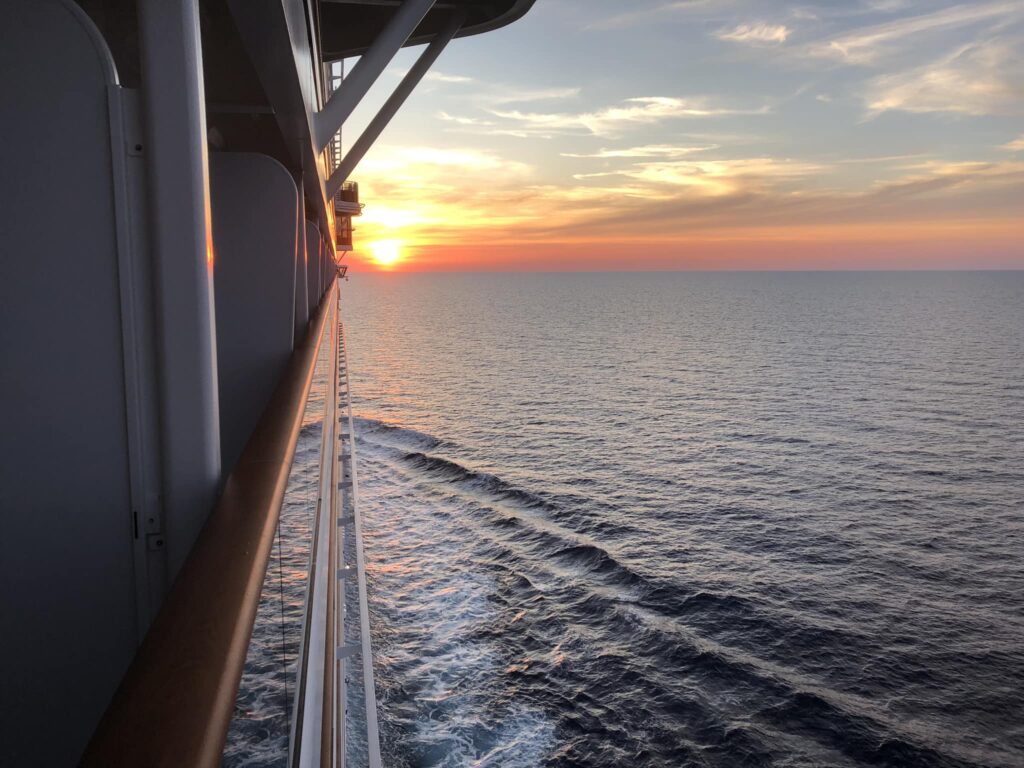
500, 94
496, 93
714, 177
634, 17
611, 120
879, 159
441, 77
865, 45
412, 162
650, 150
976, 79
930, 192
430, 196
463, 120
760, 33
804, 14
1017, 145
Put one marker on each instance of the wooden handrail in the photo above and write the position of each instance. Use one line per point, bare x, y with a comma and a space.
175, 703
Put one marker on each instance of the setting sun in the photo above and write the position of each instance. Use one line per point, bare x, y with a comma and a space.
386, 253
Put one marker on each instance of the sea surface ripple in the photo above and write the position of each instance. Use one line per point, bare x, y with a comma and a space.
694, 519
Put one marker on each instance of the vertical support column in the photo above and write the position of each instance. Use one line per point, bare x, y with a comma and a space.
302, 310
324, 258
312, 265
183, 260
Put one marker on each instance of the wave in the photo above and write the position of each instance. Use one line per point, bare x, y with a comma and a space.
452, 472
563, 538
854, 735
742, 653
569, 547
393, 434
849, 725
765, 438
595, 560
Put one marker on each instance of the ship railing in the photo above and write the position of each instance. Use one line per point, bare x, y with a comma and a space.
336, 652
177, 698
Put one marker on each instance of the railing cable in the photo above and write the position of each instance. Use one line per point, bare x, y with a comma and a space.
284, 646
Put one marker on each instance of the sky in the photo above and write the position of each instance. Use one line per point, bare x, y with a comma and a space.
707, 134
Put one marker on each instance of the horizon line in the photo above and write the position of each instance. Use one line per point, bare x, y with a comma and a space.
929, 270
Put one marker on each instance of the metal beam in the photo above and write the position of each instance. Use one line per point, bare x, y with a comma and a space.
394, 103
328, 121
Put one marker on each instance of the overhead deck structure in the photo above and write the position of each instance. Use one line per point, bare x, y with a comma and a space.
175, 200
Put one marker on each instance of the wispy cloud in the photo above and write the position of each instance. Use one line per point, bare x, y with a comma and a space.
502, 96
425, 199
745, 198
412, 160
715, 177
976, 79
495, 93
650, 150
506, 95
879, 159
461, 120
1017, 145
867, 44
441, 77
759, 33
640, 15
612, 120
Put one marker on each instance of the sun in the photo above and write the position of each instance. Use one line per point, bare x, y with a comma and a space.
386, 252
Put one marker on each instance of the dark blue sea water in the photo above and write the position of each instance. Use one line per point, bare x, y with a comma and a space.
676, 520
694, 519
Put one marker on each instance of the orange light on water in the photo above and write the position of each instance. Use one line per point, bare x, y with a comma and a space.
386, 253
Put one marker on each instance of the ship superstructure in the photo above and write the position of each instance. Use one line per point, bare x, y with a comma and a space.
176, 204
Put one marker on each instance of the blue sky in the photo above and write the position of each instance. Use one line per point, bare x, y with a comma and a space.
681, 125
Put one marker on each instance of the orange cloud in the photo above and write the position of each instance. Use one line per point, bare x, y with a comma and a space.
466, 210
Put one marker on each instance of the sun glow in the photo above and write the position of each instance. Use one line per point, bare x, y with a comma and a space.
386, 253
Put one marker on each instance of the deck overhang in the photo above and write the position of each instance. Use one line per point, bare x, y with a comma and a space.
349, 27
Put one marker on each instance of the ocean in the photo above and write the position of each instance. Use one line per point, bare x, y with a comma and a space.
682, 519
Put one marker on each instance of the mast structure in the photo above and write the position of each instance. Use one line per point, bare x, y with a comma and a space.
161, 318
